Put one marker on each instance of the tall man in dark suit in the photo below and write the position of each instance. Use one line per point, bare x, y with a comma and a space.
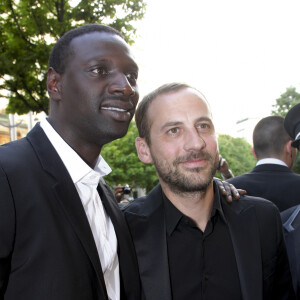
272, 178
191, 243
62, 236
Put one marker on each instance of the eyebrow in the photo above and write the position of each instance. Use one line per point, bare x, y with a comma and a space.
106, 60
97, 60
204, 119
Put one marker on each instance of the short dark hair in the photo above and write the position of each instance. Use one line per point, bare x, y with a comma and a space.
61, 50
141, 117
269, 137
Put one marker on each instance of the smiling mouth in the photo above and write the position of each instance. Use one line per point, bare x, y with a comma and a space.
114, 109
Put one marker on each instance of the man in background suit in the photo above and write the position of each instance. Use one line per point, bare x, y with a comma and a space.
272, 178
62, 236
190, 242
291, 217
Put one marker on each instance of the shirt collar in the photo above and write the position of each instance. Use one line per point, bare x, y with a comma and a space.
173, 215
75, 165
271, 160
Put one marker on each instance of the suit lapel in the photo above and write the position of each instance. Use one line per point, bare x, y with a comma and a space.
67, 196
245, 239
127, 259
149, 235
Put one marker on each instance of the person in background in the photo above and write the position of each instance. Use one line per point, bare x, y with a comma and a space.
190, 242
272, 177
62, 235
291, 217
122, 193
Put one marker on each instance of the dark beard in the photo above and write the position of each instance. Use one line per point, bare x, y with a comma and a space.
178, 182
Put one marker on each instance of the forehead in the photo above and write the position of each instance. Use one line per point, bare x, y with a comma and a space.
98, 45
184, 105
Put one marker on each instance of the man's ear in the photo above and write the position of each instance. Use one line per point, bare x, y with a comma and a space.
289, 154
143, 150
54, 84
253, 152
288, 147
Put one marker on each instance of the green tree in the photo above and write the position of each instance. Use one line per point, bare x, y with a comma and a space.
237, 152
286, 101
126, 167
28, 30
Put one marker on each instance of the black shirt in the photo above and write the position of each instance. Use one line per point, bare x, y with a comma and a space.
202, 265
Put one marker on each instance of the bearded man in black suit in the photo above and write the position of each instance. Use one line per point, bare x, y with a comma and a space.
190, 242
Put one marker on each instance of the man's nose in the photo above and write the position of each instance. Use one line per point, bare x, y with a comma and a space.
121, 85
193, 141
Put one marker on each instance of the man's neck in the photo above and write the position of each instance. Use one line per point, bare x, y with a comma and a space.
89, 152
196, 205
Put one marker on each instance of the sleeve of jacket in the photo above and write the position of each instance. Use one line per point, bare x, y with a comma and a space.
7, 230
282, 285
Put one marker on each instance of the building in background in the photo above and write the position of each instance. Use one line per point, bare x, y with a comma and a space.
244, 128
13, 126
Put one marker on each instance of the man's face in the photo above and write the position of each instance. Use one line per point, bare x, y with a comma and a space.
98, 89
183, 147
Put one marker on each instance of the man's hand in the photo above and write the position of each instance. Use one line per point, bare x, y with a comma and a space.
224, 168
118, 192
228, 190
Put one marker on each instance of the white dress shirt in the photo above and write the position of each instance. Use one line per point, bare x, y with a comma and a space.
271, 160
86, 181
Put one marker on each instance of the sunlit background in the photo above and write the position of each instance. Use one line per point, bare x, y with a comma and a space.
241, 54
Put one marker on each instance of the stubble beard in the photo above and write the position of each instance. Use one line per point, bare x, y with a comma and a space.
193, 180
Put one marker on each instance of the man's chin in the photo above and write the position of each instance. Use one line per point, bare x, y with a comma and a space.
189, 185
117, 131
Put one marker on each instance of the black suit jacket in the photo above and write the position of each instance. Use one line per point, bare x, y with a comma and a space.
47, 250
273, 182
256, 231
291, 224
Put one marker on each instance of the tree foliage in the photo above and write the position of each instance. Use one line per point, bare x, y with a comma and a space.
237, 152
286, 101
126, 167
28, 30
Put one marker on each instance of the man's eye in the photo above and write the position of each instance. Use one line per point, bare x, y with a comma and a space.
173, 130
203, 126
132, 77
102, 71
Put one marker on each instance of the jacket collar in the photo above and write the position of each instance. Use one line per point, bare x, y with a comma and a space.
271, 168
151, 245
